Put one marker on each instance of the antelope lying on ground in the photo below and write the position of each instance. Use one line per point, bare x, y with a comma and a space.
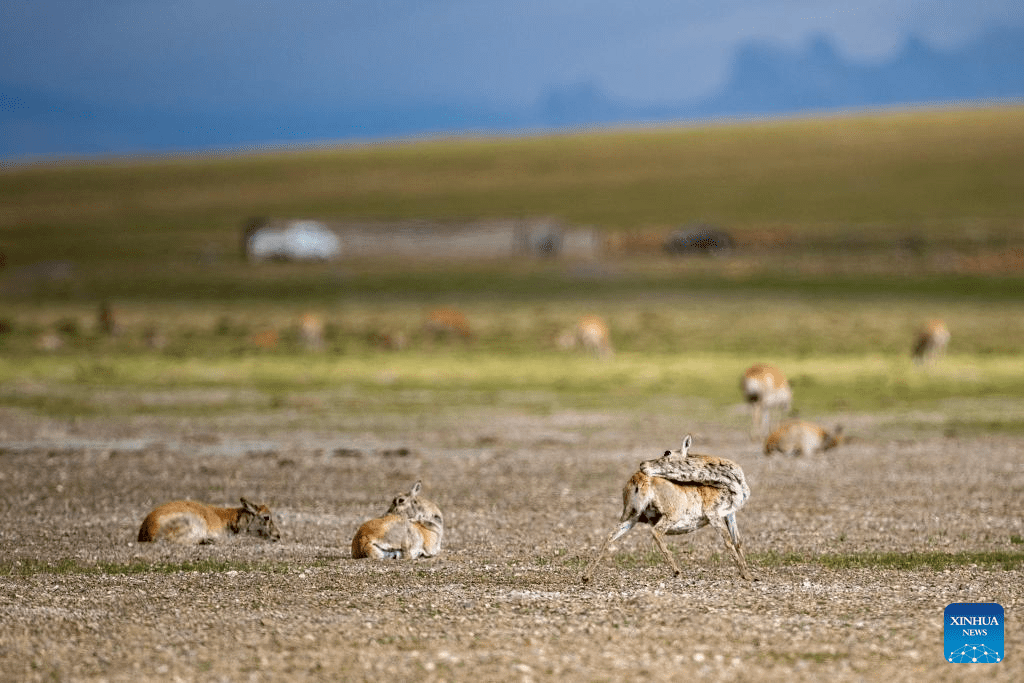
931, 342
412, 527
679, 493
802, 438
189, 522
591, 334
766, 390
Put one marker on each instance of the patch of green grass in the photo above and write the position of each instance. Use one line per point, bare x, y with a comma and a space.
470, 377
934, 561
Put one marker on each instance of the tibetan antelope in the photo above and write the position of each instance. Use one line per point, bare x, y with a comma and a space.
930, 343
766, 390
591, 334
311, 332
411, 528
447, 323
802, 438
680, 493
188, 522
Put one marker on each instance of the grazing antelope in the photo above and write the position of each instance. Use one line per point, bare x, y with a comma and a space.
412, 527
766, 390
188, 522
931, 342
680, 493
447, 322
802, 438
311, 331
592, 334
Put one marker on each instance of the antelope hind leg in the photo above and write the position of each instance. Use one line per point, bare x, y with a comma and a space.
731, 535
659, 539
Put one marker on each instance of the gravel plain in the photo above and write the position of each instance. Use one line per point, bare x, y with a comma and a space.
527, 496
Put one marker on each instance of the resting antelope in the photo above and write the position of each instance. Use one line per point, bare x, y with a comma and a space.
189, 522
766, 390
802, 438
680, 493
931, 342
592, 334
412, 527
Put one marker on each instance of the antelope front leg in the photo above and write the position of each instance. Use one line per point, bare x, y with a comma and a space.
619, 530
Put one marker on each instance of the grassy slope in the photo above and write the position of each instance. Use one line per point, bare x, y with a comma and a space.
160, 238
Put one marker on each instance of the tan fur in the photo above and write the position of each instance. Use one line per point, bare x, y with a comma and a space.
395, 537
675, 507
413, 527
767, 390
798, 437
591, 334
189, 522
447, 322
931, 341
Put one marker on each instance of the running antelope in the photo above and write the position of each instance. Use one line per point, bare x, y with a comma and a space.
766, 390
591, 334
189, 523
412, 527
931, 342
802, 438
680, 493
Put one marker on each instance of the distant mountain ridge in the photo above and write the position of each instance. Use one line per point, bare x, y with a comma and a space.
764, 80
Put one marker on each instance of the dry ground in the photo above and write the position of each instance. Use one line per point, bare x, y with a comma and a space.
527, 498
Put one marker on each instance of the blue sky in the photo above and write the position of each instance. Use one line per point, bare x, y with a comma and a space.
193, 56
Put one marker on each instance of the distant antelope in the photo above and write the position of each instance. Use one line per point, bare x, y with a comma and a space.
188, 522
447, 322
412, 527
311, 331
802, 438
265, 339
931, 341
680, 493
592, 334
766, 390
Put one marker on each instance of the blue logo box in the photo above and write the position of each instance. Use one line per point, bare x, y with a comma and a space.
973, 633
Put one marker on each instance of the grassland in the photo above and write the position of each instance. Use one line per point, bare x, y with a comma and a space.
852, 230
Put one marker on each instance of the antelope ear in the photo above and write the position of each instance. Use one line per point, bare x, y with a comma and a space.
687, 442
416, 488
249, 507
